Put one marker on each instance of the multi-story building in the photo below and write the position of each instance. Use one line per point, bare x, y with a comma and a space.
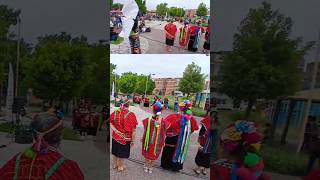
166, 86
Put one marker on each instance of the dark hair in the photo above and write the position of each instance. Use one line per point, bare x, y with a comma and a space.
43, 122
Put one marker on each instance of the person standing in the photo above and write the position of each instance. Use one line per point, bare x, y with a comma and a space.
153, 137
170, 30
123, 124
195, 36
206, 45
134, 37
42, 160
184, 35
178, 137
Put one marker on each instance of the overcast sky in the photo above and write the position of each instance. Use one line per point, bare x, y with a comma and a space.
187, 4
162, 65
78, 17
229, 13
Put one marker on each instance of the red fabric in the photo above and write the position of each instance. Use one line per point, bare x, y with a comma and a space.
175, 124
123, 125
313, 175
208, 30
149, 154
171, 29
218, 172
206, 123
193, 30
184, 41
69, 170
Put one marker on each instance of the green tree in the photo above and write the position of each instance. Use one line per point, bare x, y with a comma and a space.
116, 6
142, 6
141, 82
162, 9
193, 80
60, 67
127, 82
264, 60
97, 87
202, 10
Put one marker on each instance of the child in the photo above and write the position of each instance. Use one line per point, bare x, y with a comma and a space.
206, 137
85, 121
154, 136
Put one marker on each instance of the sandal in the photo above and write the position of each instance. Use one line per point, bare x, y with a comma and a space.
196, 171
120, 169
204, 172
150, 170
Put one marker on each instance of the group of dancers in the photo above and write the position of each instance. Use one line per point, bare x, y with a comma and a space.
167, 137
190, 36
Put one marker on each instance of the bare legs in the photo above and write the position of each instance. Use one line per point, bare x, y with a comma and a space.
117, 163
148, 166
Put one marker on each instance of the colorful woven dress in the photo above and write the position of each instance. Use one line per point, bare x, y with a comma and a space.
153, 137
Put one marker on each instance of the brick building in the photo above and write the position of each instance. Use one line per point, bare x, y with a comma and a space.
166, 86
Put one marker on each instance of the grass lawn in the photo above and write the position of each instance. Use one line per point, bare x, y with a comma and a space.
68, 134
118, 41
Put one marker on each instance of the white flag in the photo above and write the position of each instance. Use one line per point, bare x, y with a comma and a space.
112, 92
130, 11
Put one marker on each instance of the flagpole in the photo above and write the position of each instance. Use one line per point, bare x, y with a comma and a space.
18, 56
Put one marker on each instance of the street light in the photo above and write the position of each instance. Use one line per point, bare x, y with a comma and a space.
145, 92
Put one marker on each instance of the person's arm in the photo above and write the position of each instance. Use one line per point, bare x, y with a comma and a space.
133, 137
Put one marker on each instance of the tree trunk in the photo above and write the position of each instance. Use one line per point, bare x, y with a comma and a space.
286, 127
275, 120
248, 110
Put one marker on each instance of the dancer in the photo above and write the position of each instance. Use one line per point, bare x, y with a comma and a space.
184, 35
206, 45
178, 137
153, 137
240, 145
42, 160
123, 124
195, 36
207, 135
134, 37
170, 30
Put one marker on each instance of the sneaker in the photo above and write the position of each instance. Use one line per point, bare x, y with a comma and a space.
145, 169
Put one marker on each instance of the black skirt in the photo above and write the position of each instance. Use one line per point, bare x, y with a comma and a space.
168, 153
203, 159
135, 44
169, 42
119, 150
206, 45
191, 43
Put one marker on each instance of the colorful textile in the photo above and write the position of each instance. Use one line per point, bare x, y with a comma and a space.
125, 122
153, 137
51, 165
171, 30
184, 36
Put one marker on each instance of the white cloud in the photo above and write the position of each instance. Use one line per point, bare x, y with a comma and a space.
162, 65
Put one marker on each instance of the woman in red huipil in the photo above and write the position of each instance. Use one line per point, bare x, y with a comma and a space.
123, 124
153, 137
196, 32
184, 35
178, 137
206, 45
170, 30
42, 160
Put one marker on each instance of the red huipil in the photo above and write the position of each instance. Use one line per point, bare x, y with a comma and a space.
184, 36
193, 30
171, 29
125, 122
43, 165
175, 124
205, 124
156, 138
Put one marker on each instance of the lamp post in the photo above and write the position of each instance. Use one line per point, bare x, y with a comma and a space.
145, 92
